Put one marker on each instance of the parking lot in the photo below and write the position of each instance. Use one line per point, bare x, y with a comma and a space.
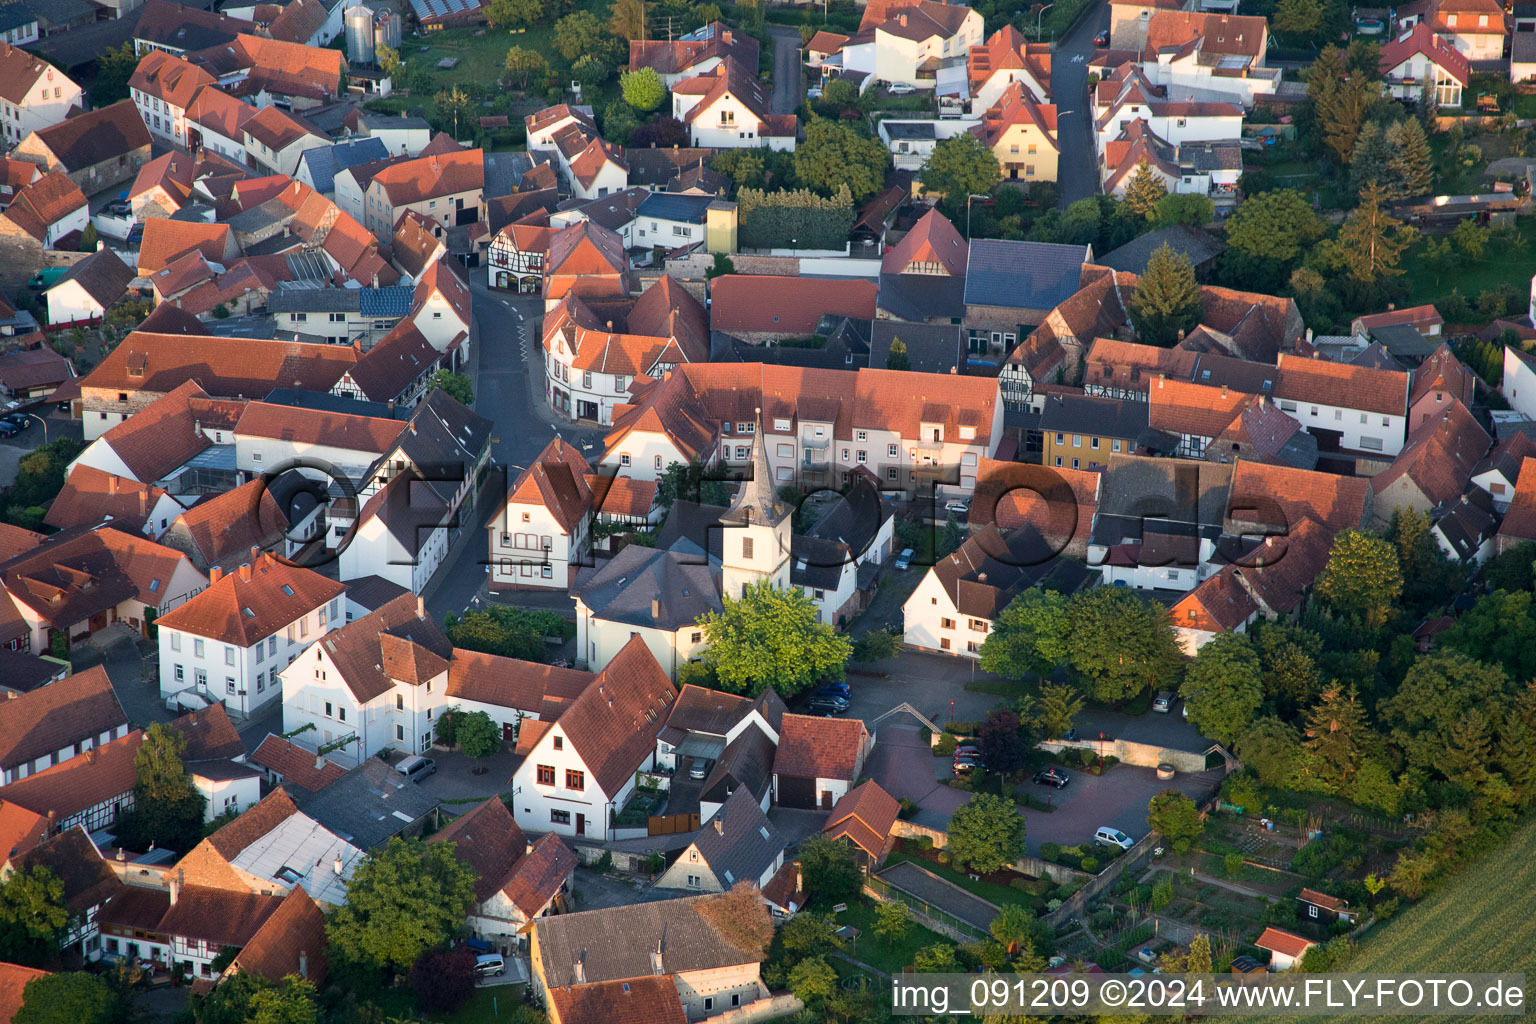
1117, 798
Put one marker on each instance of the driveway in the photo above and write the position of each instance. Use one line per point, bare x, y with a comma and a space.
1077, 173
1118, 798
133, 678
929, 682
788, 77
904, 766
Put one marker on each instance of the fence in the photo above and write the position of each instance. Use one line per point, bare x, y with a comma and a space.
671, 824
923, 912
1073, 907
781, 1005
912, 830
1144, 755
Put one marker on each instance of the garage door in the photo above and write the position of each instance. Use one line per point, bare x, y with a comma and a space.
795, 792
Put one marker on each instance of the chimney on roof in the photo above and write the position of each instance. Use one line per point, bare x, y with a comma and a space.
336, 865
245, 571
1223, 391
719, 826
177, 881
903, 21
655, 607
303, 963
214, 575
578, 973
421, 607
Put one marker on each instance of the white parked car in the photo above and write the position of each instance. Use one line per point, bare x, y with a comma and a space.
1113, 837
901, 89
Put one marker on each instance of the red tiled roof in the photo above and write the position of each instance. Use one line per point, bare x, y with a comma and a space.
1217, 605
1320, 899
44, 203
50, 718
789, 306
20, 829
290, 941
224, 367
312, 427
1279, 941
649, 1000
1284, 496
1006, 50
489, 841
14, 979
1439, 456
96, 136
820, 748
621, 495
166, 239
19, 72
1442, 371
1010, 494
1017, 107
865, 815
220, 917
1342, 385
14, 541
295, 764
556, 480
933, 239
427, 177
671, 57
1520, 521
1180, 407
273, 809
1417, 317
536, 877
250, 604
210, 734
170, 78
1224, 34
614, 721
90, 495
277, 130
97, 776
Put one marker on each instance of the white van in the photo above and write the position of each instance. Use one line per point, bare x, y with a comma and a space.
1112, 837
416, 767
490, 965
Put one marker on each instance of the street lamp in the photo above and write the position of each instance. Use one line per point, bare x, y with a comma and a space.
1039, 14
969, 196
43, 422
1101, 753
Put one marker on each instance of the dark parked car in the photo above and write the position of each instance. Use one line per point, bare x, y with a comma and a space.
19, 419
1052, 777
968, 765
826, 706
967, 750
834, 690
9, 429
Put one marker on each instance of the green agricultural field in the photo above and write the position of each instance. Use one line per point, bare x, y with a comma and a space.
1479, 921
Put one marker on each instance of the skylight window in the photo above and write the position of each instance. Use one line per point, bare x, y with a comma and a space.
287, 590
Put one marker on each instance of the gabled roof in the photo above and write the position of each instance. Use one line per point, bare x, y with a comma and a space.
1423, 40
91, 495
1442, 371
210, 734
165, 240
1439, 456
251, 603
1224, 34
395, 642
167, 77
1028, 275
733, 78
615, 720
324, 161
290, 941
820, 748
180, 27
489, 841
14, 977
1284, 496
88, 880
1279, 941
556, 481
214, 108
1007, 50
295, 764
161, 437
102, 275
932, 240
99, 775
277, 129
219, 917
20, 829
584, 249
738, 843
394, 363
224, 367
715, 40
790, 306
652, 999
232, 524
537, 876
1017, 107
45, 202
96, 136
1315, 381
19, 72
530, 686
865, 815
426, 177
52, 717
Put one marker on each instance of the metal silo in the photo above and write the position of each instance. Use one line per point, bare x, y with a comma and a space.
359, 28
386, 29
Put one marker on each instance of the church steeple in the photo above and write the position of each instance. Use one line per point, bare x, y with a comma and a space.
757, 499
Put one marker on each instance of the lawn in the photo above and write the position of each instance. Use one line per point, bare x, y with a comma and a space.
892, 958
1478, 921
1508, 267
499, 1004
999, 894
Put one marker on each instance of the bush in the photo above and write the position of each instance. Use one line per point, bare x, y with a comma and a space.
962, 728
923, 842
1051, 905
1181, 846
1090, 865
1021, 884
1050, 851
946, 745
604, 863
943, 857
1233, 865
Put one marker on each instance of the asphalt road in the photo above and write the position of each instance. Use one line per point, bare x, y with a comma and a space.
1077, 167
1117, 798
506, 363
788, 80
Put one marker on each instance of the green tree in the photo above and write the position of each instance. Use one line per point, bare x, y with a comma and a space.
1411, 163
834, 155
508, 632
619, 122
88, 238
1119, 645
1030, 636
1438, 693
591, 70
578, 33
1184, 208
896, 358
454, 109
1499, 628
1145, 191
877, 645
1175, 817
1362, 577
1056, 709
936, 959
167, 808
446, 728
459, 386
1268, 233
1014, 926
1288, 661
71, 997
1470, 239
1370, 161
402, 900
1428, 574
250, 998
1166, 301
643, 89
479, 736
1371, 242
1270, 747
960, 166
839, 93
830, 871
1002, 747
1343, 103
1335, 731
690, 482
525, 67
772, 637
1199, 959
387, 58
1297, 17
627, 21
892, 921
813, 981
32, 915
113, 69
986, 834
513, 13
1224, 687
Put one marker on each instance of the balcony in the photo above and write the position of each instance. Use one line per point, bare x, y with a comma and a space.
819, 443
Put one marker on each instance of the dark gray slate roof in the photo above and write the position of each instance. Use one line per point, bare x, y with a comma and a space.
503, 171
369, 805
445, 438
373, 592
1192, 242
391, 300
623, 589
15, 14
1105, 417
738, 843
324, 161
664, 206
327, 402
746, 765
921, 297
931, 348
1023, 275
1172, 489
1405, 342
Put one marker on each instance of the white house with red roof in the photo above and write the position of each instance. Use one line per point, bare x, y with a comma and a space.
1475, 27
1285, 948
818, 760
231, 641
37, 95
542, 535
1420, 62
729, 109
1007, 57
